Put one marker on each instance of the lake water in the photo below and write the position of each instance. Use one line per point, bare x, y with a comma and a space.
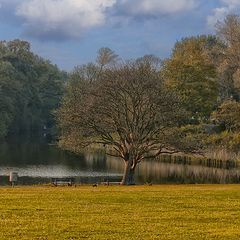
37, 162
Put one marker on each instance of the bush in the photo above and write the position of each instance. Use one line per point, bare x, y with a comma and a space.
226, 139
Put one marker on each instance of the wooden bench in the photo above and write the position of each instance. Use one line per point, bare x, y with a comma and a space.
63, 181
110, 183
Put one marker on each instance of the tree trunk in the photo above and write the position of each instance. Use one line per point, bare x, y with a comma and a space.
128, 176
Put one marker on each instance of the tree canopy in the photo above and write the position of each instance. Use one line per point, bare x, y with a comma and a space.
190, 72
127, 109
229, 56
30, 88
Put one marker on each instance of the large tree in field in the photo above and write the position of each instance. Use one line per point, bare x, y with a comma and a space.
127, 109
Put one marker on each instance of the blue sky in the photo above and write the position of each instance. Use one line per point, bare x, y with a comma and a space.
70, 32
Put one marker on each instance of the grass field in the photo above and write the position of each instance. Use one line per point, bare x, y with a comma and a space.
116, 212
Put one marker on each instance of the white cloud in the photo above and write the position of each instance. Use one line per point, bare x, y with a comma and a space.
231, 2
68, 19
156, 7
218, 15
228, 7
62, 18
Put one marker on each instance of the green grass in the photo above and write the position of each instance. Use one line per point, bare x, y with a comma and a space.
116, 212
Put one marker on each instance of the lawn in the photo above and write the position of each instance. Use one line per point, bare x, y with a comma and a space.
116, 212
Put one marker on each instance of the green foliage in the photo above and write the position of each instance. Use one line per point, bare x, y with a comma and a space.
188, 138
228, 114
228, 117
226, 140
190, 72
30, 89
9, 90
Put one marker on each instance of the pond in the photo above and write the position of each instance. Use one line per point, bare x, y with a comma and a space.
37, 161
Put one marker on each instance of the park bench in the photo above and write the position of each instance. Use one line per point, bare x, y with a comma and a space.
110, 183
63, 181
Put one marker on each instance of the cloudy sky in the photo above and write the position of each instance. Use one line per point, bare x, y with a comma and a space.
69, 32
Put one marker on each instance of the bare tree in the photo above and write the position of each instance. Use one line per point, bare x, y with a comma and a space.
105, 57
128, 110
229, 66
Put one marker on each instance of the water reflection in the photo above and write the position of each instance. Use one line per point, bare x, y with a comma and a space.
37, 162
158, 172
52, 171
155, 171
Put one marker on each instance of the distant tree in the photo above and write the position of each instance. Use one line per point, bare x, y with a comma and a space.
106, 57
229, 56
150, 60
191, 73
128, 110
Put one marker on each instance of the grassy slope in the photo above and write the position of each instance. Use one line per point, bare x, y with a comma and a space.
115, 212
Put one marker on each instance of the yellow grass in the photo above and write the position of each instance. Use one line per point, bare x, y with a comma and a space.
115, 212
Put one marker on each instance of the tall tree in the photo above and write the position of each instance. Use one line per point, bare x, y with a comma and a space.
229, 56
190, 72
31, 88
106, 57
9, 90
127, 109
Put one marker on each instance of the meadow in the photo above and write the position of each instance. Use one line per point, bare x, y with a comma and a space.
118, 212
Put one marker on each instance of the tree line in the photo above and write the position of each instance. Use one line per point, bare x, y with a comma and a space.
134, 109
